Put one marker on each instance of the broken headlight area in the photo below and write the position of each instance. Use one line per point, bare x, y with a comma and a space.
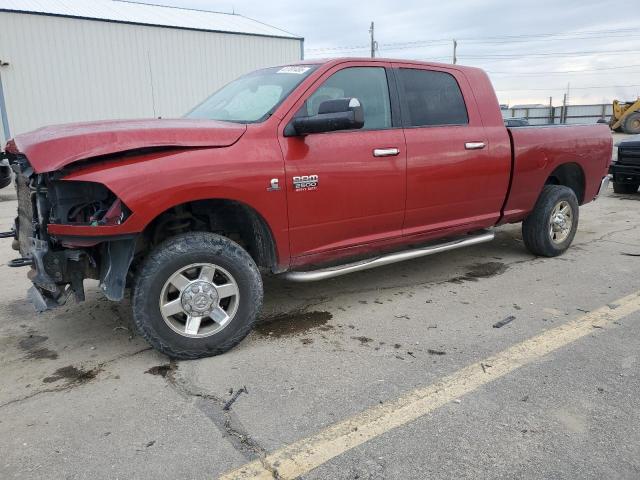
85, 203
58, 269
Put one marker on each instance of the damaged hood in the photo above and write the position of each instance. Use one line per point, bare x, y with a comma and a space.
52, 148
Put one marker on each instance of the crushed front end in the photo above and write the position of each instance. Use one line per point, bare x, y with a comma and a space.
59, 264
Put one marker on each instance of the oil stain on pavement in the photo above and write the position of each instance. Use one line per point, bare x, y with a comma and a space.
32, 345
293, 324
72, 375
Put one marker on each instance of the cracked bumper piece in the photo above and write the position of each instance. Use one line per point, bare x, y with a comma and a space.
41, 301
57, 274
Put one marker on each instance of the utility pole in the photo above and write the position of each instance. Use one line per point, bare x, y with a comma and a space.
374, 44
455, 51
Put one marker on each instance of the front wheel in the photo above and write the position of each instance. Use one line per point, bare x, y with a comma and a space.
197, 294
550, 228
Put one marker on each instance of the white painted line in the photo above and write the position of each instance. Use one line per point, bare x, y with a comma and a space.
304, 455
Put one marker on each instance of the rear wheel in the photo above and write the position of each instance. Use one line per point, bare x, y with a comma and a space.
197, 295
550, 228
625, 187
632, 124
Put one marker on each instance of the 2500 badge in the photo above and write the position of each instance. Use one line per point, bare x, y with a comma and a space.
305, 183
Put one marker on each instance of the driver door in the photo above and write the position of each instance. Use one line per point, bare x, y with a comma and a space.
346, 188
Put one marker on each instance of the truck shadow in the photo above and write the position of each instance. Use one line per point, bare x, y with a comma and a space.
288, 306
467, 264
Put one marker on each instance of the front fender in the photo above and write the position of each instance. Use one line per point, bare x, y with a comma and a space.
154, 183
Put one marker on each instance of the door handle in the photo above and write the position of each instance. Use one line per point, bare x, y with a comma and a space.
386, 152
474, 145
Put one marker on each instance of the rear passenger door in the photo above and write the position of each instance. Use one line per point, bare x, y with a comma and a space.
453, 184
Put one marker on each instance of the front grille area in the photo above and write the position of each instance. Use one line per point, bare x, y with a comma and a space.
25, 214
629, 156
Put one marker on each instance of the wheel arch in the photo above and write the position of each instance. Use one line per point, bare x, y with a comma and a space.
570, 175
233, 219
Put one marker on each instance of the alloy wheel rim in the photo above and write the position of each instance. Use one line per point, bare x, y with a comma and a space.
561, 222
199, 300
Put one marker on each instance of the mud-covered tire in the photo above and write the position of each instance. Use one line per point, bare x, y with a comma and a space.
170, 257
537, 231
632, 124
625, 187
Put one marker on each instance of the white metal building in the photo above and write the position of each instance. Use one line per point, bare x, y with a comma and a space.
77, 60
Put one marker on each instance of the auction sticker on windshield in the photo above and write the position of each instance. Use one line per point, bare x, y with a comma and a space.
293, 69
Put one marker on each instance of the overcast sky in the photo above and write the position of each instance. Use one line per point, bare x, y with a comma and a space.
507, 38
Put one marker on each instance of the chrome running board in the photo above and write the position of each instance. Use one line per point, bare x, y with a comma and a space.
323, 274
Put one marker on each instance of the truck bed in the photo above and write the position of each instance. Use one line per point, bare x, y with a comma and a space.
538, 150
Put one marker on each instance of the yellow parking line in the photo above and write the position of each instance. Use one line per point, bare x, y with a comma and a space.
304, 455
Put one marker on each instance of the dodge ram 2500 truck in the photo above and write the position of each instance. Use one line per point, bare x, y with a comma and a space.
309, 171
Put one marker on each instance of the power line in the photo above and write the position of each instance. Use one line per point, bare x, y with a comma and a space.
584, 35
549, 54
564, 88
570, 71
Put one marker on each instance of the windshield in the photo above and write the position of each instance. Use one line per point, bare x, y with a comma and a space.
253, 97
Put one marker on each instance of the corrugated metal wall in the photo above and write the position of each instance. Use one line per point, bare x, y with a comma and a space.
67, 70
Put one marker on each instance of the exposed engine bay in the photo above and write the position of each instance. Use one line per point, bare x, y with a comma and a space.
60, 265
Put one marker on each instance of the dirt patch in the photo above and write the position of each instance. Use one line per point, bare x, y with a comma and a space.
72, 375
31, 344
292, 324
32, 341
485, 270
363, 340
481, 270
42, 353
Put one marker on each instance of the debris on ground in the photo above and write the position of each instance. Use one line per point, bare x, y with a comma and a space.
411, 354
161, 370
150, 444
436, 352
233, 399
631, 254
484, 366
504, 322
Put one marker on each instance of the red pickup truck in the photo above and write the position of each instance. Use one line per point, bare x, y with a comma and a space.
309, 171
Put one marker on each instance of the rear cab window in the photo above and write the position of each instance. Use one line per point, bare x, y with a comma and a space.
431, 98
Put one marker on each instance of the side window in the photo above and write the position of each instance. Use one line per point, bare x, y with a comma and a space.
367, 84
432, 98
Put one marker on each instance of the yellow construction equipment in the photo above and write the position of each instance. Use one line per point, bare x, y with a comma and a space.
626, 117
